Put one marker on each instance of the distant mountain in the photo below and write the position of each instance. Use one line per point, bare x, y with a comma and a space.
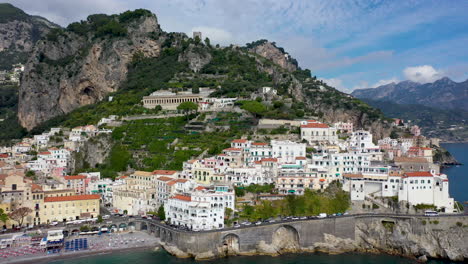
448, 125
443, 93
19, 32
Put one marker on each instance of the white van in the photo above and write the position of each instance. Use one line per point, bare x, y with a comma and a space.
322, 215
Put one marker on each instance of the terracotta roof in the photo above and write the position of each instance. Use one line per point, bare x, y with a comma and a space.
419, 174
232, 149
426, 148
72, 198
191, 161
164, 172
163, 178
257, 162
312, 121
171, 183
182, 197
182, 180
315, 125
270, 159
259, 144
239, 141
199, 188
75, 177
352, 175
301, 158
410, 159
3, 155
143, 173
35, 187
122, 177
45, 153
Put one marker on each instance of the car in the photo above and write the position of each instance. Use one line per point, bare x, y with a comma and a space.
54, 223
322, 215
258, 223
339, 214
271, 221
303, 218
237, 226
246, 223
333, 214
294, 218
346, 213
106, 217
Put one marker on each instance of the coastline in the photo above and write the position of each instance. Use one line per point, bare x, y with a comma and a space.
80, 254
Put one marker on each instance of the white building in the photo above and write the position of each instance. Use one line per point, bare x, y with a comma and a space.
287, 151
201, 208
424, 187
314, 131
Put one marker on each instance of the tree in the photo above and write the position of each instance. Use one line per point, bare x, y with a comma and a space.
254, 107
99, 219
207, 42
393, 134
187, 107
19, 214
3, 216
161, 213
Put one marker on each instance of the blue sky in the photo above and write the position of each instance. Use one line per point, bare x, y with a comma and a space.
349, 44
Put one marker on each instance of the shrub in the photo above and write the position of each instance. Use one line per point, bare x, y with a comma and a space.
375, 206
423, 222
459, 224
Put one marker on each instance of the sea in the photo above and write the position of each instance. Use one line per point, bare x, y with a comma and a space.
458, 177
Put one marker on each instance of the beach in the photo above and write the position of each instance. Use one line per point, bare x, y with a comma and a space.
98, 244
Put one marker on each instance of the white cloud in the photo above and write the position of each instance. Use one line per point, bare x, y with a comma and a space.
216, 35
335, 82
384, 82
422, 74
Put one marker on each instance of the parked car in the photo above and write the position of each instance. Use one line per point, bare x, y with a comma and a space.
303, 218
322, 215
237, 226
106, 217
258, 223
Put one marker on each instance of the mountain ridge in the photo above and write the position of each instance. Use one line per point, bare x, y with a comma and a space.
443, 93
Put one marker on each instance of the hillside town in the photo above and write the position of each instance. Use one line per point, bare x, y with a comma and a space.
38, 188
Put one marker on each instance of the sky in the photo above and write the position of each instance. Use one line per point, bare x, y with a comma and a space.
350, 44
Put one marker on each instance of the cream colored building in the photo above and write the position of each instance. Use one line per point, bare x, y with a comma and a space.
169, 100
68, 208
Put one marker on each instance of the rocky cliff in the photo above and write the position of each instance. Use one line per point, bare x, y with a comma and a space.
19, 32
92, 153
414, 237
70, 69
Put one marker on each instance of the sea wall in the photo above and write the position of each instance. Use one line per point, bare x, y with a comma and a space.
411, 236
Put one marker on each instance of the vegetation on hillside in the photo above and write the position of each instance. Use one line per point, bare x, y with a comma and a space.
332, 200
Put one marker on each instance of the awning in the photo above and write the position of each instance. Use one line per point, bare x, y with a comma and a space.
291, 191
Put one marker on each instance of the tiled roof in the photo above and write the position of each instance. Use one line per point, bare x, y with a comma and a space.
315, 125
182, 197
239, 141
72, 198
45, 153
270, 159
419, 174
410, 159
164, 178
75, 177
143, 173
164, 172
232, 149
301, 158
259, 144
199, 188
182, 180
36, 187
352, 175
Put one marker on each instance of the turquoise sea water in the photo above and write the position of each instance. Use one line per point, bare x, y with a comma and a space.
458, 176
146, 257
458, 189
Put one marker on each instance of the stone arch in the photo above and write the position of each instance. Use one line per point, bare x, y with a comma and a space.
163, 235
152, 228
144, 226
286, 239
168, 236
231, 244
132, 226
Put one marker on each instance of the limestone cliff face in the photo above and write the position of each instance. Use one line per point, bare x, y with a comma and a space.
436, 238
270, 51
73, 70
196, 57
19, 32
92, 152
